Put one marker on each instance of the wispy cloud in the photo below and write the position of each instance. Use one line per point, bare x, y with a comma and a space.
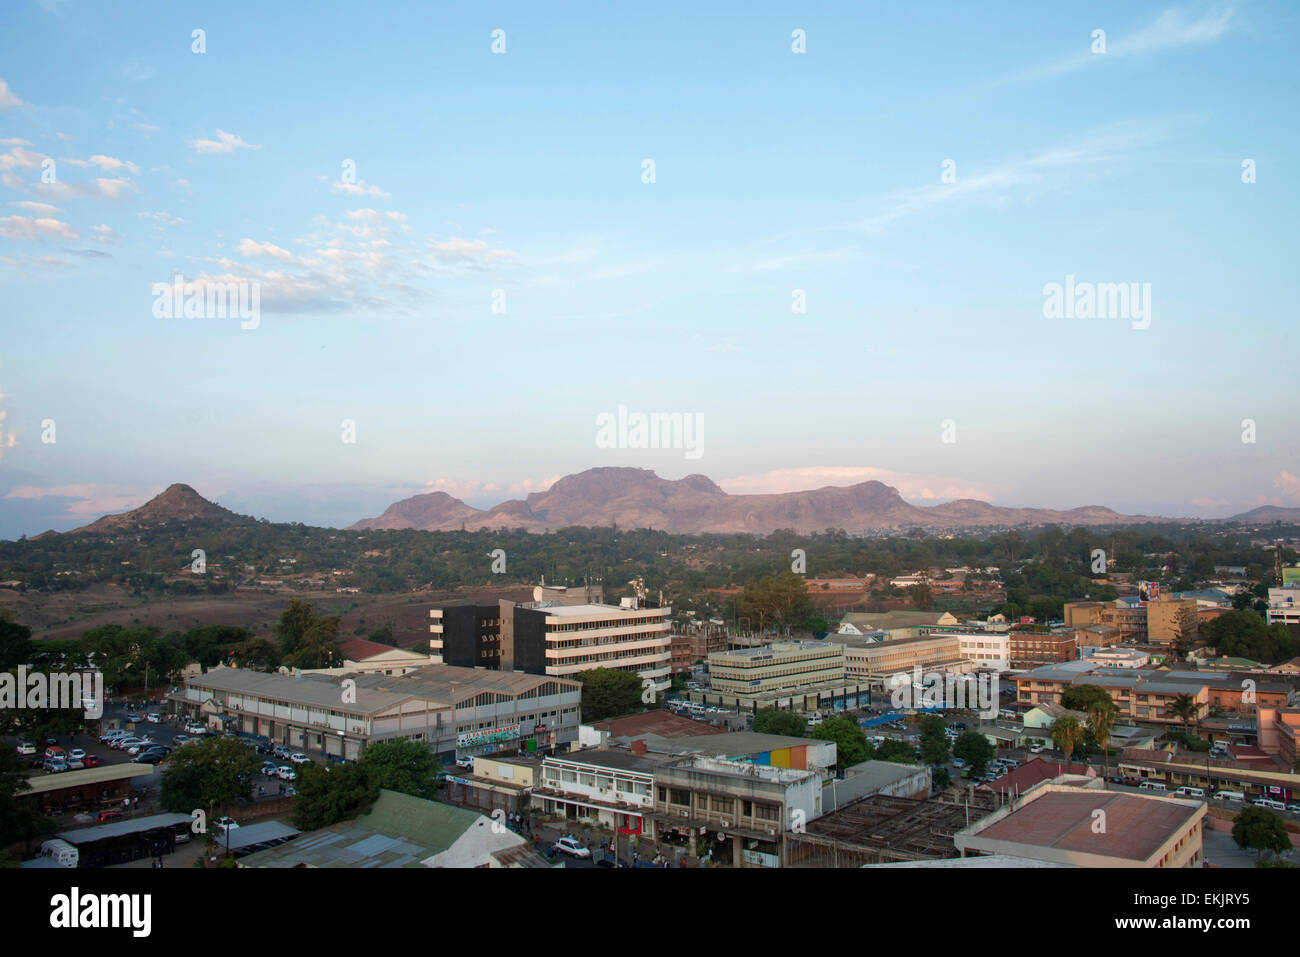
8, 99
224, 143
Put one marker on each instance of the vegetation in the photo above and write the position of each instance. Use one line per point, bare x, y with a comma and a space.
850, 741
1067, 732
775, 721
934, 739
208, 774
608, 693
1260, 830
975, 749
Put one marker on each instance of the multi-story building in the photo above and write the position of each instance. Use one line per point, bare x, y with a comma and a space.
743, 810
557, 634
455, 711
1284, 606
1165, 619
612, 788
987, 650
874, 662
1029, 650
778, 667
679, 650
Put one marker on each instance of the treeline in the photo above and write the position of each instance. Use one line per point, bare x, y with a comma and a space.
401, 560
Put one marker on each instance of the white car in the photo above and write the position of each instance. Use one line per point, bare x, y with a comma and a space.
26, 747
195, 729
299, 758
77, 754
121, 744
224, 824
139, 746
466, 762
570, 846
286, 773
1036, 749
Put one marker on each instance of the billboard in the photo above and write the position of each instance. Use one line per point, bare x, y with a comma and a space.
1148, 591
1291, 577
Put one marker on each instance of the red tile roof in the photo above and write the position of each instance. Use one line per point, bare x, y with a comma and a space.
358, 649
1031, 772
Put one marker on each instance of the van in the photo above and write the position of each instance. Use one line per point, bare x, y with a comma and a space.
63, 853
1236, 797
1269, 803
1152, 786
1191, 792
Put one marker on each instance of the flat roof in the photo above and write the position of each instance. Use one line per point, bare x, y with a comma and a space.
452, 684
609, 758
576, 611
322, 690
259, 833
1136, 825
98, 832
744, 742
44, 783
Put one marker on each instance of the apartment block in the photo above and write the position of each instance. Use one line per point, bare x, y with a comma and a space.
780, 666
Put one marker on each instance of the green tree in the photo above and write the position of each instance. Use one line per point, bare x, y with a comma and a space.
1102, 716
1067, 732
329, 795
15, 645
934, 739
1084, 697
1261, 830
850, 740
975, 749
1186, 709
608, 693
20, 818
208, 774
402, 765
1185, 630
776, 601
775, 721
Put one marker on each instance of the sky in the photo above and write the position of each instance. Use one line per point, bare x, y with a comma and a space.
827, 235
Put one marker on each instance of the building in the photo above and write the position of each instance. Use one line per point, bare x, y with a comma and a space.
986, 650
874, 662
559, 633
779, 667
400, 830
1165, 616
1028, 649
1117, 657
733, 808
1284, 606
680, 654
370, 657
864, 623
455, 711
879, 777
604, 786
1057, 823
1254, 775
1279, 733
494, 784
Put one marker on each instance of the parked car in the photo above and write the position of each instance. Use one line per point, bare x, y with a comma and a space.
1293, 808
54, 765
90, 761
76, 754
54, 751
196, 729
269, 768
959, 762
26, 748
1036, 749
121, 744
299, 758
149, 757
112, 814
181, 739
286, 772
1269, 803
75, 764
110, 736
153, 717
224, 824
571, 846
465, 762
143, 745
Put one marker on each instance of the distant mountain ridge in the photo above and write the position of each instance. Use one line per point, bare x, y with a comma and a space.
638, 498
177, 504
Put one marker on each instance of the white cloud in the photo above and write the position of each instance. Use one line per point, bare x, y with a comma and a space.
162, 218
44, 209
249, 247
224, 143
108, 164
359, 188
375, 216
1171, 30
24, 227
1288, 485
8, 99
104, 234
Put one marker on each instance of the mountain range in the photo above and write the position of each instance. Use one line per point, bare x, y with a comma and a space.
638, 498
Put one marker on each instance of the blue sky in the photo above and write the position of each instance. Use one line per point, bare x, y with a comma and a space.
521, 174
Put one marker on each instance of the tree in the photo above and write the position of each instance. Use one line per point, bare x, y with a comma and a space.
934, 739
329, 795
15, 645
776, 721
1067, 732
207, 774
1185, 708
608, 693
1102, 716
899, 752
1261, 830
850, 741
776, 600
402, 765
19, 818
1084, 697
975, 749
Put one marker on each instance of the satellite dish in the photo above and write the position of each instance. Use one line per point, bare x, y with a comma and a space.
537, 593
